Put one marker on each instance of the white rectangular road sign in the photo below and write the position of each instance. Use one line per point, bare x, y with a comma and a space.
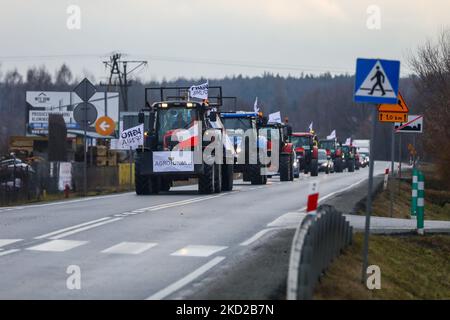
42, 103
414, 125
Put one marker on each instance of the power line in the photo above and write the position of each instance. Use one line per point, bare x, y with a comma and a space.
230, 63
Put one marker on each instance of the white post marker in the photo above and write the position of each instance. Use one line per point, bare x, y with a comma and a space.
386, 178
313, 198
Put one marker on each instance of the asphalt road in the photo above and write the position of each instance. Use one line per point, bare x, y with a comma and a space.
146, 247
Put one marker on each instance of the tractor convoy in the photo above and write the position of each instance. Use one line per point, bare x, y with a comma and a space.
194, 139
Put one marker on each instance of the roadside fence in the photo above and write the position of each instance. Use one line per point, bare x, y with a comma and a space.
317, 242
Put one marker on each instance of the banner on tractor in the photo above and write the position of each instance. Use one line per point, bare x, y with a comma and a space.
131, 138
173, 161
200, 91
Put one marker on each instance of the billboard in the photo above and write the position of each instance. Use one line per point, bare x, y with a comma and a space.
42, 103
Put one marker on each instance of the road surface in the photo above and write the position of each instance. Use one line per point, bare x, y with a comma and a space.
145, 247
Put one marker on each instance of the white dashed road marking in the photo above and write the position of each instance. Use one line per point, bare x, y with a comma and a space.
198, 251
4, 253
5, 242
57, 245
130, 248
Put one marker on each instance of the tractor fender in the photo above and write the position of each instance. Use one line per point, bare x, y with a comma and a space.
288, 148
315, 153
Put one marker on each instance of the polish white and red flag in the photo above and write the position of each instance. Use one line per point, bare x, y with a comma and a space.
186, 139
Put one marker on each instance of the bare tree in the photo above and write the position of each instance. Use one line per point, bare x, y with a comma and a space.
431, 64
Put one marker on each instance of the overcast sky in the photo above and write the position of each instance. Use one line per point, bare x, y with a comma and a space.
215, 38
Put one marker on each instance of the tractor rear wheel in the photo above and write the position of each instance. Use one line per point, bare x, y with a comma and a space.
314, 168
206, 180
227, 177
217, 178
285, 167
142, 184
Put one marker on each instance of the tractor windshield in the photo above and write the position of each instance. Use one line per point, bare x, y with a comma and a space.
237, 123
327, 144
172, 119
300, 142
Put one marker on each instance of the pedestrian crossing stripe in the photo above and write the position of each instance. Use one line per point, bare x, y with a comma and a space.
377, 81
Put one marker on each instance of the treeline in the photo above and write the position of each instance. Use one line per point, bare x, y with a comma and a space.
325, 100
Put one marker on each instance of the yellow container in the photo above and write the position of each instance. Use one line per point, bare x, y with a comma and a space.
124, 174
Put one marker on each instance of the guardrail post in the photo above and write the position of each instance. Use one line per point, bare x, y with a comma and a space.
415, 179
420, 203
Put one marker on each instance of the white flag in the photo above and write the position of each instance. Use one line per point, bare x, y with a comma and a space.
200, 91
255, 106
348, 142
131, 138
310, 127
275, 117
332, 135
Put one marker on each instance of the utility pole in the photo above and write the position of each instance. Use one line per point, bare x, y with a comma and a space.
119, 72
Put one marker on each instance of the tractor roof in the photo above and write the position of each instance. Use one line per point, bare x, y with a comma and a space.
239, 114
302, 134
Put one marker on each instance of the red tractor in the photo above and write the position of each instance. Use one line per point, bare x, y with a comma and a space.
334, 150
307, 152
286, 149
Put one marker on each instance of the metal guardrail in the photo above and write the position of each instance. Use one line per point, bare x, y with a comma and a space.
317, 242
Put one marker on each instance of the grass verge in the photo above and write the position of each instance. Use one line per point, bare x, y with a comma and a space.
412, 267
437, 200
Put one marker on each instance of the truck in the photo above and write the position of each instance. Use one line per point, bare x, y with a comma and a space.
174, 143
363, 149
241, 127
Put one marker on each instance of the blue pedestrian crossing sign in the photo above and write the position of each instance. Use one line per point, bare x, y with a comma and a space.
377, 81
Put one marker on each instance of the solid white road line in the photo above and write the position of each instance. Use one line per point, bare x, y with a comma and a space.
186, 280
69, 233
5, 242
4, 253
57, 245
70, 228
258, 235
130, 248
65, 202
341, 190
288, 220
198, 251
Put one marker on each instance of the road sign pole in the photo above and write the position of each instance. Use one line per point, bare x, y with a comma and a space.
131, 168
415, 181
85, 151
400, 156
369, 197
420, 203
391, 185
393, 150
